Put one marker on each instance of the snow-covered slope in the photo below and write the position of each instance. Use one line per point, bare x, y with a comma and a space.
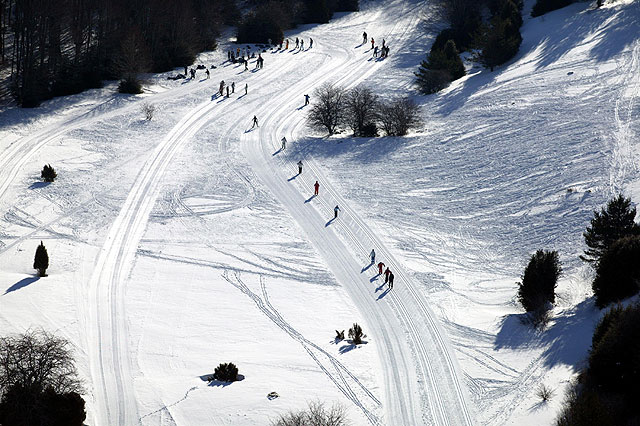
187, 241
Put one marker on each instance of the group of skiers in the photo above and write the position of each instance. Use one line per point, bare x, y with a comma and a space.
388, 275
230, 88
299, 44
384, 50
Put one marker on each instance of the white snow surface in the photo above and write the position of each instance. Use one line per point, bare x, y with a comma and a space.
189, 240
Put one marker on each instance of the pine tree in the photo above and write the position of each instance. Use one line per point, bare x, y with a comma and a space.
610, 224
48, 174
539, 280
41, 260
441, 67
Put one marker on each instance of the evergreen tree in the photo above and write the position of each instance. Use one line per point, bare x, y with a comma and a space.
41, 260
501, 42
618, 271
610, 224
539, 280
48, 174
442, 66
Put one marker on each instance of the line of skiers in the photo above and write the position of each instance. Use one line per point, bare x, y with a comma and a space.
299, 44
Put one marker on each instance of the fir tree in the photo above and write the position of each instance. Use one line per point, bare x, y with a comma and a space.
48, 174
41, 260
610, 224
539, 280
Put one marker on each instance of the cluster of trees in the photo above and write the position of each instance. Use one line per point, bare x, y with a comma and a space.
606, 392
268, 20
361, 110
39, 383
496, 39
613, 241
54, 48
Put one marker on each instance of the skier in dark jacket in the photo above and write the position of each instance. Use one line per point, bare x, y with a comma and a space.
306, 99
299, 167
391, 276
336, 209
373, 256
255, 122
297, 43
364, 37
386, 275
310, 42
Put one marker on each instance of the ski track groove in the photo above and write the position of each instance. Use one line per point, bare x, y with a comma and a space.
311, 348
438, 412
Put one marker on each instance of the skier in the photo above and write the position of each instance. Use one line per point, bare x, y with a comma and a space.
380, 266
383, 42
364, 37
185, 71
297, 42
287, 45
221, 87
391, 280
372, 42
300, 167
316, 186
207, 73
386, 275
310, 42
301, 44
375, 52
336, 209
306, 100
284, 143
255, 122
233, 87
246, 65
373, 256
227, 91
246, 88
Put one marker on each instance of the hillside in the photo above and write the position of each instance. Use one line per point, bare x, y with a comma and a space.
188, 240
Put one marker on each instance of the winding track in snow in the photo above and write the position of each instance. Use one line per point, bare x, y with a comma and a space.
408, 335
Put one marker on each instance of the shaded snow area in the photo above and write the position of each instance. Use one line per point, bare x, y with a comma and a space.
190, 240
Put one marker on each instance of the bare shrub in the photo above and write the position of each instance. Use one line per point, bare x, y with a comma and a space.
148, 110
37, 359
399, 116
544, 392
327, 112
361, 106
315, 415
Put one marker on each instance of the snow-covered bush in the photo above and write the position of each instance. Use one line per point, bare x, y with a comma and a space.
48, 173
148, 110
226, 372
315, 415
355, 334
539, 280
618, 271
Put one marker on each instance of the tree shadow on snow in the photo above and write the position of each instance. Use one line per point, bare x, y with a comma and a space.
38, 185
359, 149
350, 346
566, 339
22, 283
218, 383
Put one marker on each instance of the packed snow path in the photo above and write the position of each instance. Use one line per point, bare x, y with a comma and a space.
423, 387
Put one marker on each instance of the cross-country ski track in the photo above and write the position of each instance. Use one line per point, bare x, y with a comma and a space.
198, 242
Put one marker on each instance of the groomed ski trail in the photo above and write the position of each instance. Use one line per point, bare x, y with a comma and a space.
424, 386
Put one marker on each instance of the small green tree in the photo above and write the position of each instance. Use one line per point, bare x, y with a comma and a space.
48, 173
41, 260
539, 280
610, 224
356, 334
226, 372
618, 271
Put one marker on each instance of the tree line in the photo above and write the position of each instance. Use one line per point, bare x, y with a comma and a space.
64, 47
